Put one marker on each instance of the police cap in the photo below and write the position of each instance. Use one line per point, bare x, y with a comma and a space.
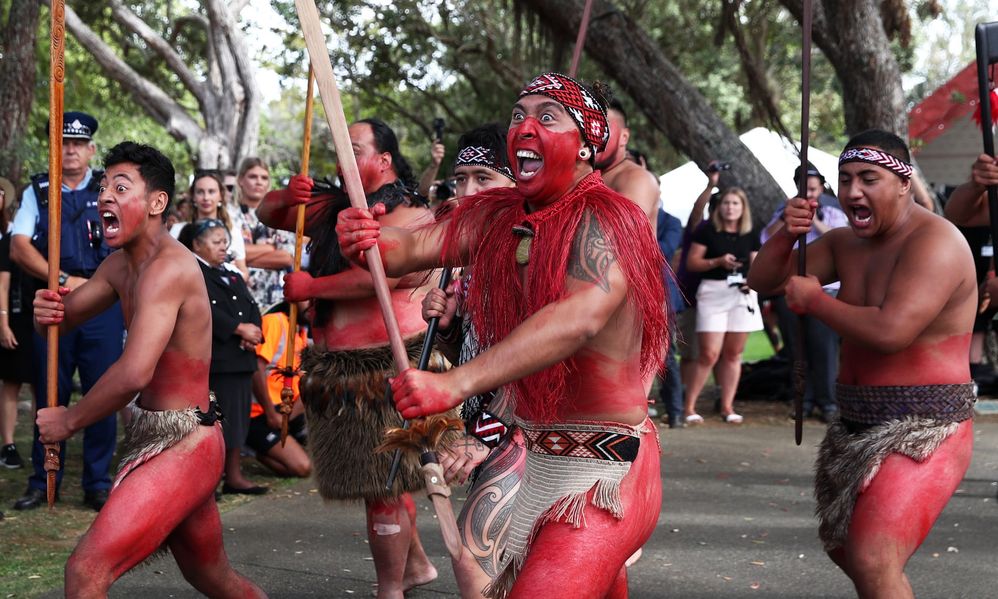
77, 125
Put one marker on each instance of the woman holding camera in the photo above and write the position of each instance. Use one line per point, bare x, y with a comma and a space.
727, 310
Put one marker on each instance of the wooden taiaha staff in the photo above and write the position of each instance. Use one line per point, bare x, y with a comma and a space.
315, 41
986, 40
580, 39
800, 362
287, 393
57, 76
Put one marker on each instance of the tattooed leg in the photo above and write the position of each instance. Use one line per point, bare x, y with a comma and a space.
485, 517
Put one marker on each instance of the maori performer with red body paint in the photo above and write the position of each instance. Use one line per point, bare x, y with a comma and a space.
905, 312
158, 498
569, 302
345, 373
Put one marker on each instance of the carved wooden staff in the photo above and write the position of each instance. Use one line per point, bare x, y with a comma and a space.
800, 361
580, 39
57, 74
287, 393
986, 38
308, 15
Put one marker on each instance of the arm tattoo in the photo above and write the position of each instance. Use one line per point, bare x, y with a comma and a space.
465, 445
590, 257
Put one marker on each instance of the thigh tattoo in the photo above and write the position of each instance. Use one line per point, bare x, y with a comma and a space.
485, 517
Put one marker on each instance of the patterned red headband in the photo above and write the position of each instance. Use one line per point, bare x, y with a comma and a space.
589, 114
482, 156
878, 157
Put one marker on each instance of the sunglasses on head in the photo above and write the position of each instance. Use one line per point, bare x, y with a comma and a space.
207, 224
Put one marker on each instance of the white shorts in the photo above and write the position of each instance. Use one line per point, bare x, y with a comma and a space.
723, 309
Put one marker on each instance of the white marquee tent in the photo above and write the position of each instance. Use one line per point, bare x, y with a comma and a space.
680, 187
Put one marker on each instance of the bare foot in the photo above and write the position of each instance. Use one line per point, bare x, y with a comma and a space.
419, 573
634, 558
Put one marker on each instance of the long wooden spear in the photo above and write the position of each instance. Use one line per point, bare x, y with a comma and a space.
986, 38
287, 393
57, 75
800, 362
315, 41
580, 39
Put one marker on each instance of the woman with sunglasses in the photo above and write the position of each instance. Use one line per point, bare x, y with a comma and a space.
235, 333
209, 203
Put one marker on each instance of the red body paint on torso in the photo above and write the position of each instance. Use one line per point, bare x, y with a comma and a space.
940, 363
602, 388
179, 380
359, 323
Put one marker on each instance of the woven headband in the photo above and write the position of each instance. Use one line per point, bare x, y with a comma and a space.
878, 157
481, 156
587, 112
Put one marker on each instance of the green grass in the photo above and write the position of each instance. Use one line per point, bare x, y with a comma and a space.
757, 348
36, 544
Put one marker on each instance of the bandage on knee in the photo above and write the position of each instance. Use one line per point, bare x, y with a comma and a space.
386, 530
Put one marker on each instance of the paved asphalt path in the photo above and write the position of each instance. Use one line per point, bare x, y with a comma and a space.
736, 522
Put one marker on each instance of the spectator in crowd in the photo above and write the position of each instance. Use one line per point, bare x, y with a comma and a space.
96, 344
670, 235
821, 349
173, 217
269, 252
429, 177
235, 327
210, 204
689, 281
727, 310
265, 421
967, 208
184, 207
15, 333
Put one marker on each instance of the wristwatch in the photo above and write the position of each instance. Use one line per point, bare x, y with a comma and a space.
63, 277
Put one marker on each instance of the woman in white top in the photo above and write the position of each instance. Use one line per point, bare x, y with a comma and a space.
209, 202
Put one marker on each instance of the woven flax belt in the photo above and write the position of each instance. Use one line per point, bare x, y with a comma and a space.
869, 406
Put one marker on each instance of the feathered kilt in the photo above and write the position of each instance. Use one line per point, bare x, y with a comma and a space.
347, 410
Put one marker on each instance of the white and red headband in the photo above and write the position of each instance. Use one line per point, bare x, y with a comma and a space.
879, 158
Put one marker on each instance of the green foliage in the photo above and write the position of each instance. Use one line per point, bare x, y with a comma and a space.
87, 88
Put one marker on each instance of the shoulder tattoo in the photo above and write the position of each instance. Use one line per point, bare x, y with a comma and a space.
590, 257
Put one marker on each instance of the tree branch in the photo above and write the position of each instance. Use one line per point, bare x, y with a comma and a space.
128, 19
154, 100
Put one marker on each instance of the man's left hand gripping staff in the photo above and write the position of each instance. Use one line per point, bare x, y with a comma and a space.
418, 393
48, 306
358, 230
49, 310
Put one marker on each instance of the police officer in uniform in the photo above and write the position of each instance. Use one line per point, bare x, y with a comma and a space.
95, 345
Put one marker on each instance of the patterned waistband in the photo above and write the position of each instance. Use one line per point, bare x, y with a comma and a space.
869, 406
594, 440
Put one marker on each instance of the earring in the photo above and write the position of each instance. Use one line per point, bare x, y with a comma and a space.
584, 153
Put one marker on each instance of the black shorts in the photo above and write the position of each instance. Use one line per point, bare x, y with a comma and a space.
261, 437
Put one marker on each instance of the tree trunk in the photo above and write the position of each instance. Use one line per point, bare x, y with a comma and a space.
850, 33
17, 84
676, 108
227, 96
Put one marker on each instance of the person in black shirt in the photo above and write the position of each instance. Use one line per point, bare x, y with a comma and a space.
727, 310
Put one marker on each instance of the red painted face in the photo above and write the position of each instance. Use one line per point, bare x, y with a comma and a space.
543, 147
124, 204
372, 165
